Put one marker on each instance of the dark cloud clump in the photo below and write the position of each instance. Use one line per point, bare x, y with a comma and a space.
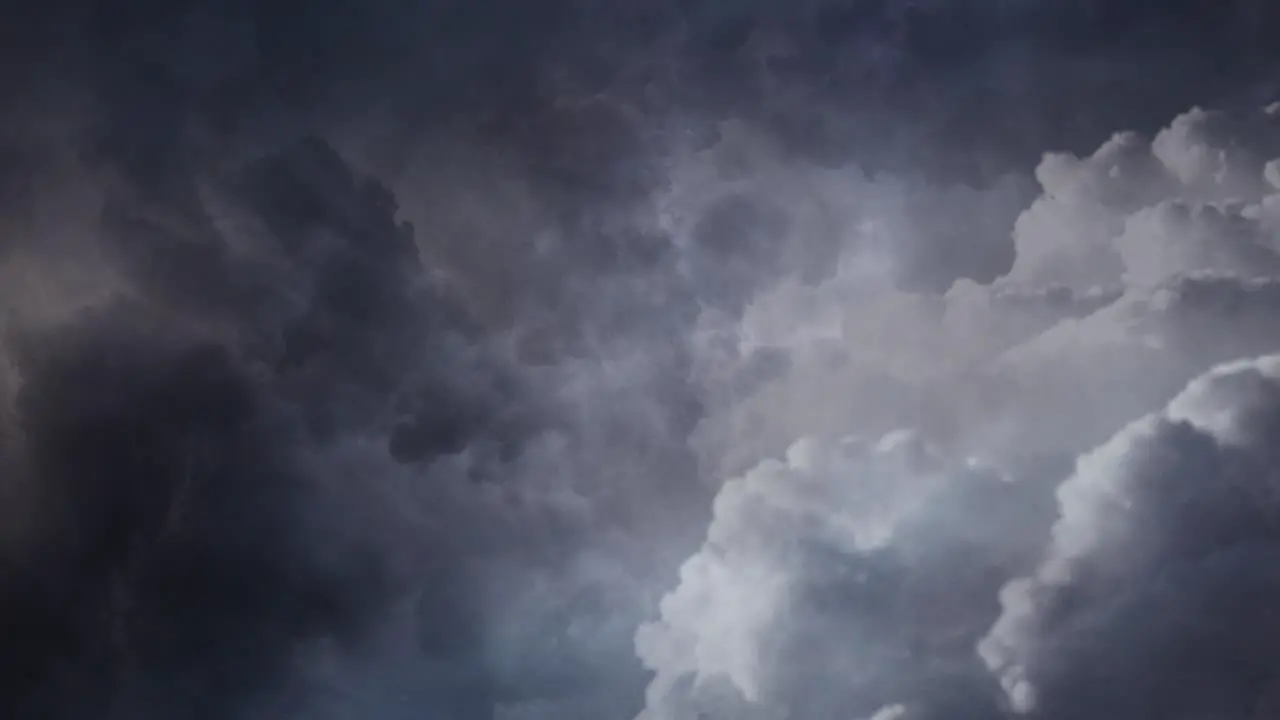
192, 541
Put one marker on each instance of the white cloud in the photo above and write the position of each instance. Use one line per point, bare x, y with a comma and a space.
789, 606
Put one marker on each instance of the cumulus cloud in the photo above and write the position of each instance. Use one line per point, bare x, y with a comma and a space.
843, 579
1132, 274
1159, 567
1140, 210
1140, 267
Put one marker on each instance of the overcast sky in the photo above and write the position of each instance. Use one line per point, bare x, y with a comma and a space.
652, 360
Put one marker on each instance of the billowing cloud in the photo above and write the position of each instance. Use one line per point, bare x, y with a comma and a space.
255, 450
185, 449
390, 360
274, 444
1153, 597
1139, 268
851, 577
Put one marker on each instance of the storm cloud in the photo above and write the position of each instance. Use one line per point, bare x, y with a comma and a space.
594, 360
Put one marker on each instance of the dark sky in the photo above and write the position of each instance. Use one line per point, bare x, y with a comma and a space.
1006, 77
297, 457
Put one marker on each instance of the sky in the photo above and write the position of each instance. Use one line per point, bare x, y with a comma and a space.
658, 360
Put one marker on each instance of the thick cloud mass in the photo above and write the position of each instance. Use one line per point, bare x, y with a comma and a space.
1140, 267
1154, 598
163, 482
841, 580
397, 359
181, 449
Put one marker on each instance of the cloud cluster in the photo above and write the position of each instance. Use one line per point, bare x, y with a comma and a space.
1139, 268
268, 450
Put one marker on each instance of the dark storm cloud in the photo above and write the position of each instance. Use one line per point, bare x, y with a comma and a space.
196, 531
275, 451
216, 513
1153, 599
186, 556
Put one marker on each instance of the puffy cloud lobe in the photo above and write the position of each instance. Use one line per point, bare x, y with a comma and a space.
1153, 598
1196, 243
1138, 210
847, 578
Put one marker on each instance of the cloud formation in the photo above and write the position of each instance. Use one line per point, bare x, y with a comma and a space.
1153, 597
390, 360
843, 579
1139, 268
183, 447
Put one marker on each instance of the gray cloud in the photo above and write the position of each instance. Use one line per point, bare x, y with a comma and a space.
387, 359
1158, 569
1139, 268
848, 578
